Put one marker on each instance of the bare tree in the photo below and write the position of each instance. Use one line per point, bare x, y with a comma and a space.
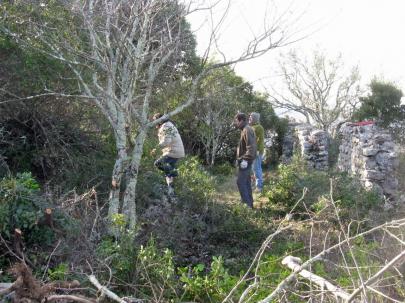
119, 52
318, 89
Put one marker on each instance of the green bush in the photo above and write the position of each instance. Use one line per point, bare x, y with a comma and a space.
157, 274
59, 272
283, 190
223, 169
156, 271
194, 182
22, 207
121, 256
206, 287
350, 197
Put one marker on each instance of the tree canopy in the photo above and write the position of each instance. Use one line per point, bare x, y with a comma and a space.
318, 88
382, 104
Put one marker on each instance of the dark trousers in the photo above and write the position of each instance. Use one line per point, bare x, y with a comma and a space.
167, 165
244, 185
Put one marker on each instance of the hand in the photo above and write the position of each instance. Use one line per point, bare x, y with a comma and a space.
243, 164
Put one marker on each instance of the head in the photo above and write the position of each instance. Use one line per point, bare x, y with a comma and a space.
157, 116
254, 118
240, 120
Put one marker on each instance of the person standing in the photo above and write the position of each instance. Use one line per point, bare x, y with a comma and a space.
172, 150
245, 155
254, 121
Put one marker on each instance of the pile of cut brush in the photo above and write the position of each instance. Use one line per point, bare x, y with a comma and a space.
27, 289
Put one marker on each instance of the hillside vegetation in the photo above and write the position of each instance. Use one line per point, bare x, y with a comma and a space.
83, 206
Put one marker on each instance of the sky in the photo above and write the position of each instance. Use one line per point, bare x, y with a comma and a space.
366, 33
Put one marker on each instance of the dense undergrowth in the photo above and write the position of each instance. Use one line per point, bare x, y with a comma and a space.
196, 247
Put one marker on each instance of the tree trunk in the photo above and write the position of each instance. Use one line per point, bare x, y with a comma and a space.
207, 155
129, 206
118, 172
214, 151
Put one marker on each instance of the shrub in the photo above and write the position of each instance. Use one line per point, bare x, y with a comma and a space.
120, 259
59, 272
156, 272
22, 207
209, 287
283, 190
194, 182
352, 200
121, 254
223, 169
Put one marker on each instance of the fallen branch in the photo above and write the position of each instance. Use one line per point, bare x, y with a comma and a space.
283, 284
70, 298
294, 264
104, 290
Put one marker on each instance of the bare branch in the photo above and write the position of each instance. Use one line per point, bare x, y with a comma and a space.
70, 298
105, 291
293, 263
376, 275
281, 286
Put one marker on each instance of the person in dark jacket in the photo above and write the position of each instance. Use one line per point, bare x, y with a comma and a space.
245, 155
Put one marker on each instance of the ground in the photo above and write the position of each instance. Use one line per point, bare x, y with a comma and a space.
227, 192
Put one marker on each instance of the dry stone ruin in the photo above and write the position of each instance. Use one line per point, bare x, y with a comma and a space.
369, 153
309, 142
366, 152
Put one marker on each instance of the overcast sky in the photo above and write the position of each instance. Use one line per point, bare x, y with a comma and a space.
367, 33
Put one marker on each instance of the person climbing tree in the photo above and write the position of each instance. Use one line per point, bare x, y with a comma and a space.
245, 155
172, 150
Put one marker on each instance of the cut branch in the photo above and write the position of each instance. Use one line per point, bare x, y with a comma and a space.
293, 263
104, 290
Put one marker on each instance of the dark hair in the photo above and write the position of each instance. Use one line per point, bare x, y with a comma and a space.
241, 117
157, 116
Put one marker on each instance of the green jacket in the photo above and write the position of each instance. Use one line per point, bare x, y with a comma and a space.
259, 132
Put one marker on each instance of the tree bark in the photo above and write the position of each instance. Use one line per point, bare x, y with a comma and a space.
118, 172
129, 206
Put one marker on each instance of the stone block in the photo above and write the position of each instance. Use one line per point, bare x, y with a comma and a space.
374, 175
370, 151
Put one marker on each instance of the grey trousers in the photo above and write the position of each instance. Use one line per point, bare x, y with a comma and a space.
245, 186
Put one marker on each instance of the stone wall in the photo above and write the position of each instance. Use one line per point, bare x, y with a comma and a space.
369, 153
309, 142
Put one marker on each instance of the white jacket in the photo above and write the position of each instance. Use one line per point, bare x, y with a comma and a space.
170, 141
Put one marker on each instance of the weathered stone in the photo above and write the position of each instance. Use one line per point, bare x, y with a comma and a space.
312, 144
374, 174
388, 146
368, 152
383, 159
370, 163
